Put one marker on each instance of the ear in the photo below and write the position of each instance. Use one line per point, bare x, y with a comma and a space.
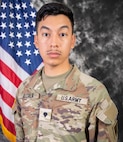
73, 41
36, 41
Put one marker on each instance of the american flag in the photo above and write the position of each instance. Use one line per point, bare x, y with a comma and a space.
18, 56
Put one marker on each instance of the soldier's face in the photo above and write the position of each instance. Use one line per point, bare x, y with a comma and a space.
54, 39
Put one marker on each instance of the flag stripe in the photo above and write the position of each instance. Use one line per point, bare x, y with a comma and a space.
10, 62
7, 117
6, 111
6, 97
10, 136
7, 85
7, 123
10, 74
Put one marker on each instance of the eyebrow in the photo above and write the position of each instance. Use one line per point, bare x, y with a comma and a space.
44, 27
62, 27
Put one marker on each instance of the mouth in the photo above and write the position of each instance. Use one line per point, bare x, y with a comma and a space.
53, 54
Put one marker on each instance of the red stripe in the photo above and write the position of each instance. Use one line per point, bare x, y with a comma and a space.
10, 74
7, 97
8, 124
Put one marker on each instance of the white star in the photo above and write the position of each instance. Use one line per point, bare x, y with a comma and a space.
34, 33
11, 25
19, 53
3, 5
18, 16
25, 15
3, 35
18, 35
28, 52
17, 6
33, 24
11, 5
28, 61
24, 5
11, 34
11, 44
3, 15
11, 15
36, 52
3, 25
19, 26
27, 44
32, 14
19, 44
27, 34
26, 25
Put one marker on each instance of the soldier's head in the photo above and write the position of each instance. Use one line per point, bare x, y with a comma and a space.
54, 8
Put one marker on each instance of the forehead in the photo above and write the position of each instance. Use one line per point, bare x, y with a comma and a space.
55, 22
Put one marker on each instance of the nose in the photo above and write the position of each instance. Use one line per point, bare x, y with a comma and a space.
54, 41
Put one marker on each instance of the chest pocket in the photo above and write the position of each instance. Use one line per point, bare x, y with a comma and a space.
30, 104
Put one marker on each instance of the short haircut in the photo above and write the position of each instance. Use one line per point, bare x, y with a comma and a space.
54, 8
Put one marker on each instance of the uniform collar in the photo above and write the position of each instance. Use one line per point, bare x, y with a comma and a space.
69, 84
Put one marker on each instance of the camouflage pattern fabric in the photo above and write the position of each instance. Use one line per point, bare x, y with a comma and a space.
76, 109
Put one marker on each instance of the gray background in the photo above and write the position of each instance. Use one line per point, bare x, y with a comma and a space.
99, 46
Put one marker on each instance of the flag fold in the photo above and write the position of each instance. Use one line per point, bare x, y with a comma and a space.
18, 56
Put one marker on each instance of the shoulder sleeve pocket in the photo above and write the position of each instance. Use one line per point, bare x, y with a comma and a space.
108, 116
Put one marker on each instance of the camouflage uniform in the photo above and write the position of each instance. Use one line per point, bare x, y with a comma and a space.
76, 109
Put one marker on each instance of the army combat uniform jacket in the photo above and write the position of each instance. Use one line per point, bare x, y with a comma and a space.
76, 109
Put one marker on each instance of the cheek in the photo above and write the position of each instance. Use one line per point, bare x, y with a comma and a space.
41, 50
69, 44
42, 46
40, 41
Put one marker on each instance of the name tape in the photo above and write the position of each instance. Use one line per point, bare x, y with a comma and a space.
72, 99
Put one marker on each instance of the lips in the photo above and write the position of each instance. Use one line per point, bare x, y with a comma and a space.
54, 54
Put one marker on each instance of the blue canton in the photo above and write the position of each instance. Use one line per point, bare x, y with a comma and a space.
17, 29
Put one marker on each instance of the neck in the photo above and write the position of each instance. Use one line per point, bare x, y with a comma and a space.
56, 70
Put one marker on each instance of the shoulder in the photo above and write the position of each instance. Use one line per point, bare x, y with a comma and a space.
86, 79
29, 82
99, 98
30, 79
95, 88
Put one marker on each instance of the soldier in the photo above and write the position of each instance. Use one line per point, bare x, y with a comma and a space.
59, 103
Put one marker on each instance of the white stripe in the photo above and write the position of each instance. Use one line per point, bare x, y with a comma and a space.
10, 62
7, 111
40, 66
8, 85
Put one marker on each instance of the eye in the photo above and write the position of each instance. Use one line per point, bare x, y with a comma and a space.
62, 34
45, 34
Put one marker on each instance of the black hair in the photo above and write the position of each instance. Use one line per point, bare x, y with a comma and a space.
54, 8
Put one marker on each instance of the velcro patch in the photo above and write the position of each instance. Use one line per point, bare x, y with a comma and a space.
45, 114
72, 99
